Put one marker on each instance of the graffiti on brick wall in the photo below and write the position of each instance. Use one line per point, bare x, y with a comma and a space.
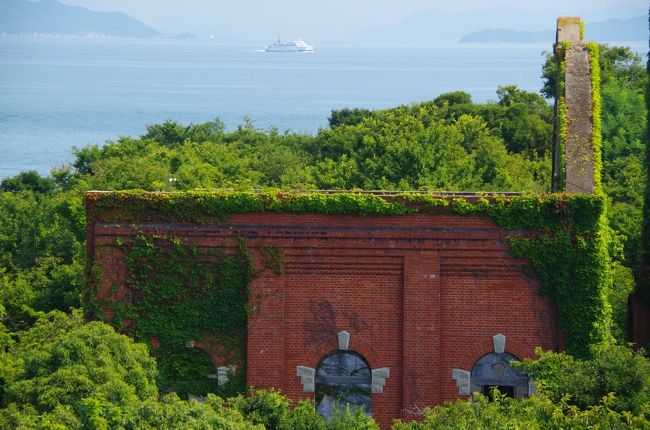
323, 325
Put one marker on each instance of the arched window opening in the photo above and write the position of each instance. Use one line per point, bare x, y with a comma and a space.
343, 379
186, 371
494, 371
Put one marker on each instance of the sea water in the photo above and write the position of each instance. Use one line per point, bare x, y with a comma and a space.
58, 93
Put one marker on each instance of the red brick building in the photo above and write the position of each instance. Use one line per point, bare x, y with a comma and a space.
406, 310
420, 298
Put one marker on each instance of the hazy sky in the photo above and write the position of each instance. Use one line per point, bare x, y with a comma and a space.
339, 19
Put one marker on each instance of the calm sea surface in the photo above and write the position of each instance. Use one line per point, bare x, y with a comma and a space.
60, 93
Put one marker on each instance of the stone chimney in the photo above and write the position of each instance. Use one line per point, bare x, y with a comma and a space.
576, 140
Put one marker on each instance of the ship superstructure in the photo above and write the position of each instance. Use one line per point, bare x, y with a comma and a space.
298, 45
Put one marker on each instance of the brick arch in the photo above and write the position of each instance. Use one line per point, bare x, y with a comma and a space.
364, 348
210, 352
359, 345
219, 355
478, 350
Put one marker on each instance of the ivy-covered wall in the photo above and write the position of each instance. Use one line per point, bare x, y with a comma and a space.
562, 237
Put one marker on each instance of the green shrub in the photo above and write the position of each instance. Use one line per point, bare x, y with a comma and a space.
538, 412
304, 417
611, 369
265, 407
63, 372
352, 419
172, 413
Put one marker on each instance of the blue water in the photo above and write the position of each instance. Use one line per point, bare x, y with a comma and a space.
60, 93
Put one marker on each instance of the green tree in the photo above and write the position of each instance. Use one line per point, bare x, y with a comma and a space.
172, 413
61, 362
268, 408
535, 413
28, 181
453, 98
304, 417
611, 369
347, 116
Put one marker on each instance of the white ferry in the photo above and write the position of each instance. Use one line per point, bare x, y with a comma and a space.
289, 46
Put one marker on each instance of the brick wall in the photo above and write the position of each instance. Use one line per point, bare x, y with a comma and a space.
639, 320
419, 294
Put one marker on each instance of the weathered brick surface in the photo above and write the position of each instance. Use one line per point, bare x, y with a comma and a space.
639, 320
420, 294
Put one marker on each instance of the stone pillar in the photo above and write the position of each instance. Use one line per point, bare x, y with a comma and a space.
574, 151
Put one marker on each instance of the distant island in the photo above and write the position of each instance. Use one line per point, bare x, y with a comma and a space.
426, 28
612, 30
507, 35
52, 17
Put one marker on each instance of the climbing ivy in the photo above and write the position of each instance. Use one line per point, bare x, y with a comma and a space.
178, 293
191, 371
562, 123
596, 127
273, 258
564, 238
574, 270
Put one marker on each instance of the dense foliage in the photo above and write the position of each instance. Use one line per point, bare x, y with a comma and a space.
64, 374
535, 413
609, 390
58, 372
55, 369
644, 258
624, 137
177, 294
612, 371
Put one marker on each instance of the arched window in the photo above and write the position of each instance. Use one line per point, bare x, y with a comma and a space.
343, 379
494, 370
186, 371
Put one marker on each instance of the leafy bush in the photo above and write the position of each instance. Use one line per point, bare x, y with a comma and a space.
304, 417
535, 413
352, 419
612, 370
172, 413
61, 362
265, 407
28, 181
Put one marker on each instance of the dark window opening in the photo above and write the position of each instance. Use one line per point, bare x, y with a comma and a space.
505, 390
494, 370
343, 379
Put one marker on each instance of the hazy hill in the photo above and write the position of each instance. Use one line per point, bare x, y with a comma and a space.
612, 30
615, 30
50, 16
434, 27
492, 35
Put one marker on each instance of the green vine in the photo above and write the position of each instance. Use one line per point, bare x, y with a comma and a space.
582, 30
273, 258
596, 135
563, 124
92, 306
179, 293
563, 237
574, 270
